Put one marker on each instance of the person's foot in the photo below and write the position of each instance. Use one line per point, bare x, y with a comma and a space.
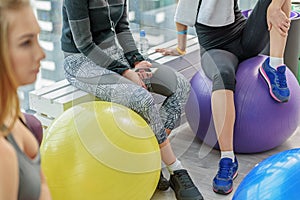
163, 183
223, 181
276, 81
183, 186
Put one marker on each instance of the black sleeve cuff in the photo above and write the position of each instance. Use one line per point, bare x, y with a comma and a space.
133, 56
117, 67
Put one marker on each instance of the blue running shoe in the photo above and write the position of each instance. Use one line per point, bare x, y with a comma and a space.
223, 181
276, 81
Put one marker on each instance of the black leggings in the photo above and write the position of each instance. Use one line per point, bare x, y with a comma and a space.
220, 64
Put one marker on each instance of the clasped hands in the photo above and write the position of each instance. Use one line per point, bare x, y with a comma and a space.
140, 72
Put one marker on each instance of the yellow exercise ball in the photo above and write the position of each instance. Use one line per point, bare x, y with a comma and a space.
103, 151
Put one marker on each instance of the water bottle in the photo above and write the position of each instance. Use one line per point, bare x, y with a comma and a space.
143, 44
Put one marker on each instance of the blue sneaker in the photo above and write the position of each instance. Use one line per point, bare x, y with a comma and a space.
276, 81
223, 181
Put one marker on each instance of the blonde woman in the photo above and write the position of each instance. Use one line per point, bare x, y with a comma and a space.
20, 56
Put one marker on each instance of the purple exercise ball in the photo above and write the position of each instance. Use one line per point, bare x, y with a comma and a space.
261, 122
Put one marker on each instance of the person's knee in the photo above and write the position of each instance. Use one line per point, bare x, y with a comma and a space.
224, 80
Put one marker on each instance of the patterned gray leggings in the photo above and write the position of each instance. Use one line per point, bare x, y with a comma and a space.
110, 86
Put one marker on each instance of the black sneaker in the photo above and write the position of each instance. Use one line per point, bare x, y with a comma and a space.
183, 186
163, 183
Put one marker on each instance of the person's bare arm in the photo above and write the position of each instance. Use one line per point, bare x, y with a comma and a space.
9, 171
181, 42
45, 192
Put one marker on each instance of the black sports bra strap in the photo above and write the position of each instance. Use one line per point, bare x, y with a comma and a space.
20, 118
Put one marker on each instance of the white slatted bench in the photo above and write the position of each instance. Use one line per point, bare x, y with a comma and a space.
51, 101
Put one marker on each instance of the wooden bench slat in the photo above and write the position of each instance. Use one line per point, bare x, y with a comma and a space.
50, 88
59, 93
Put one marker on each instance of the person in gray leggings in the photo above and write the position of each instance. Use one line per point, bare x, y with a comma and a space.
226, 38
101, 58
